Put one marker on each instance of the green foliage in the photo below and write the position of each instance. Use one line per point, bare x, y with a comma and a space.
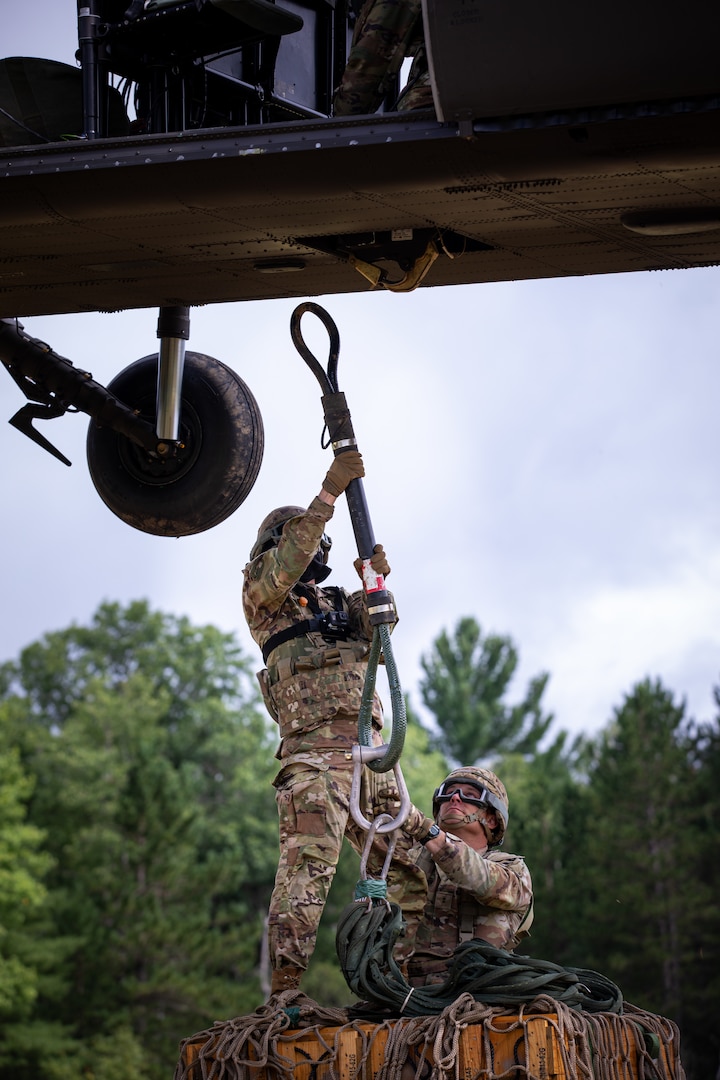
23, 867
423, 765
153, 768
701, 976
634, 880
195, 666
138, 840
547, 815
466, 677
620, 832
115, 1056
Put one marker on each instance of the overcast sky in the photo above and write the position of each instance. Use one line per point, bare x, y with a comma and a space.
541, 456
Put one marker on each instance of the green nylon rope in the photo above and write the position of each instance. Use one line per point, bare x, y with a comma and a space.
366, 936
371, 889
381, 645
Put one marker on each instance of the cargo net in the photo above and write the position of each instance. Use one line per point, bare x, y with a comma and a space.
293, 1038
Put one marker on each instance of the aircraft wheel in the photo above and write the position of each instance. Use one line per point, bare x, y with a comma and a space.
222, 438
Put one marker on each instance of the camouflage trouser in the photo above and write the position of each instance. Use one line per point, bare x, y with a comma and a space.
386, 32
313, 805
417, 93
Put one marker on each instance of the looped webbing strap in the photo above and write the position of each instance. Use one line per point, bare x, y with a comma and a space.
381, 646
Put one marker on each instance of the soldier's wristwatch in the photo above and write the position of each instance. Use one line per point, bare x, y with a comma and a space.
432, 832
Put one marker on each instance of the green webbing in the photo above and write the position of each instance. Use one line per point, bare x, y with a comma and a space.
381, 645
365, 931
366, 936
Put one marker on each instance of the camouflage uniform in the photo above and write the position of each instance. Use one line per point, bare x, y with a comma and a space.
470, 894
313, 688
385, 33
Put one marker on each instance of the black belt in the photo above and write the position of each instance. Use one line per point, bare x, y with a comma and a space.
307, 626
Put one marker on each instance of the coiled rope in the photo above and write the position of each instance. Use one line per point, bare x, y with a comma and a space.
366, 935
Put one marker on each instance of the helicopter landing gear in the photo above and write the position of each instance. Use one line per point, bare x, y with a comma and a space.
199, 480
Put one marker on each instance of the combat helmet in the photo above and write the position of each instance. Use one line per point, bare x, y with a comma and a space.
270, 532
271, 528
491, 793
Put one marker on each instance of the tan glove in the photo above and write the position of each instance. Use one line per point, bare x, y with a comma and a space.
418, 824
345, 467
378, 561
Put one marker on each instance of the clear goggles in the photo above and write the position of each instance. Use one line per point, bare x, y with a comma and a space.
455, 787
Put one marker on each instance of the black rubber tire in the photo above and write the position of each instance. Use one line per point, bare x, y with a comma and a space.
222, 432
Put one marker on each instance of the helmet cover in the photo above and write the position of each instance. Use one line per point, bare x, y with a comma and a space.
270, 531
491, 793
271, 528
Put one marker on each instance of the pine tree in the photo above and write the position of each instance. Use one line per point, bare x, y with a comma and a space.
466, 678
701, 853
548, 798
632, 869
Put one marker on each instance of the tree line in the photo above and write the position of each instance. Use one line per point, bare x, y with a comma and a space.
138, 838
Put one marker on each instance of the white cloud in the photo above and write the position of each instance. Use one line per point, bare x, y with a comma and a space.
612, 636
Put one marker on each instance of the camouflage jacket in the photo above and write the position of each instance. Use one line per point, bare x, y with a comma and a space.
471, 894
314, 678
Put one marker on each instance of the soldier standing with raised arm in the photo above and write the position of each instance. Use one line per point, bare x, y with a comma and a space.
315, 642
